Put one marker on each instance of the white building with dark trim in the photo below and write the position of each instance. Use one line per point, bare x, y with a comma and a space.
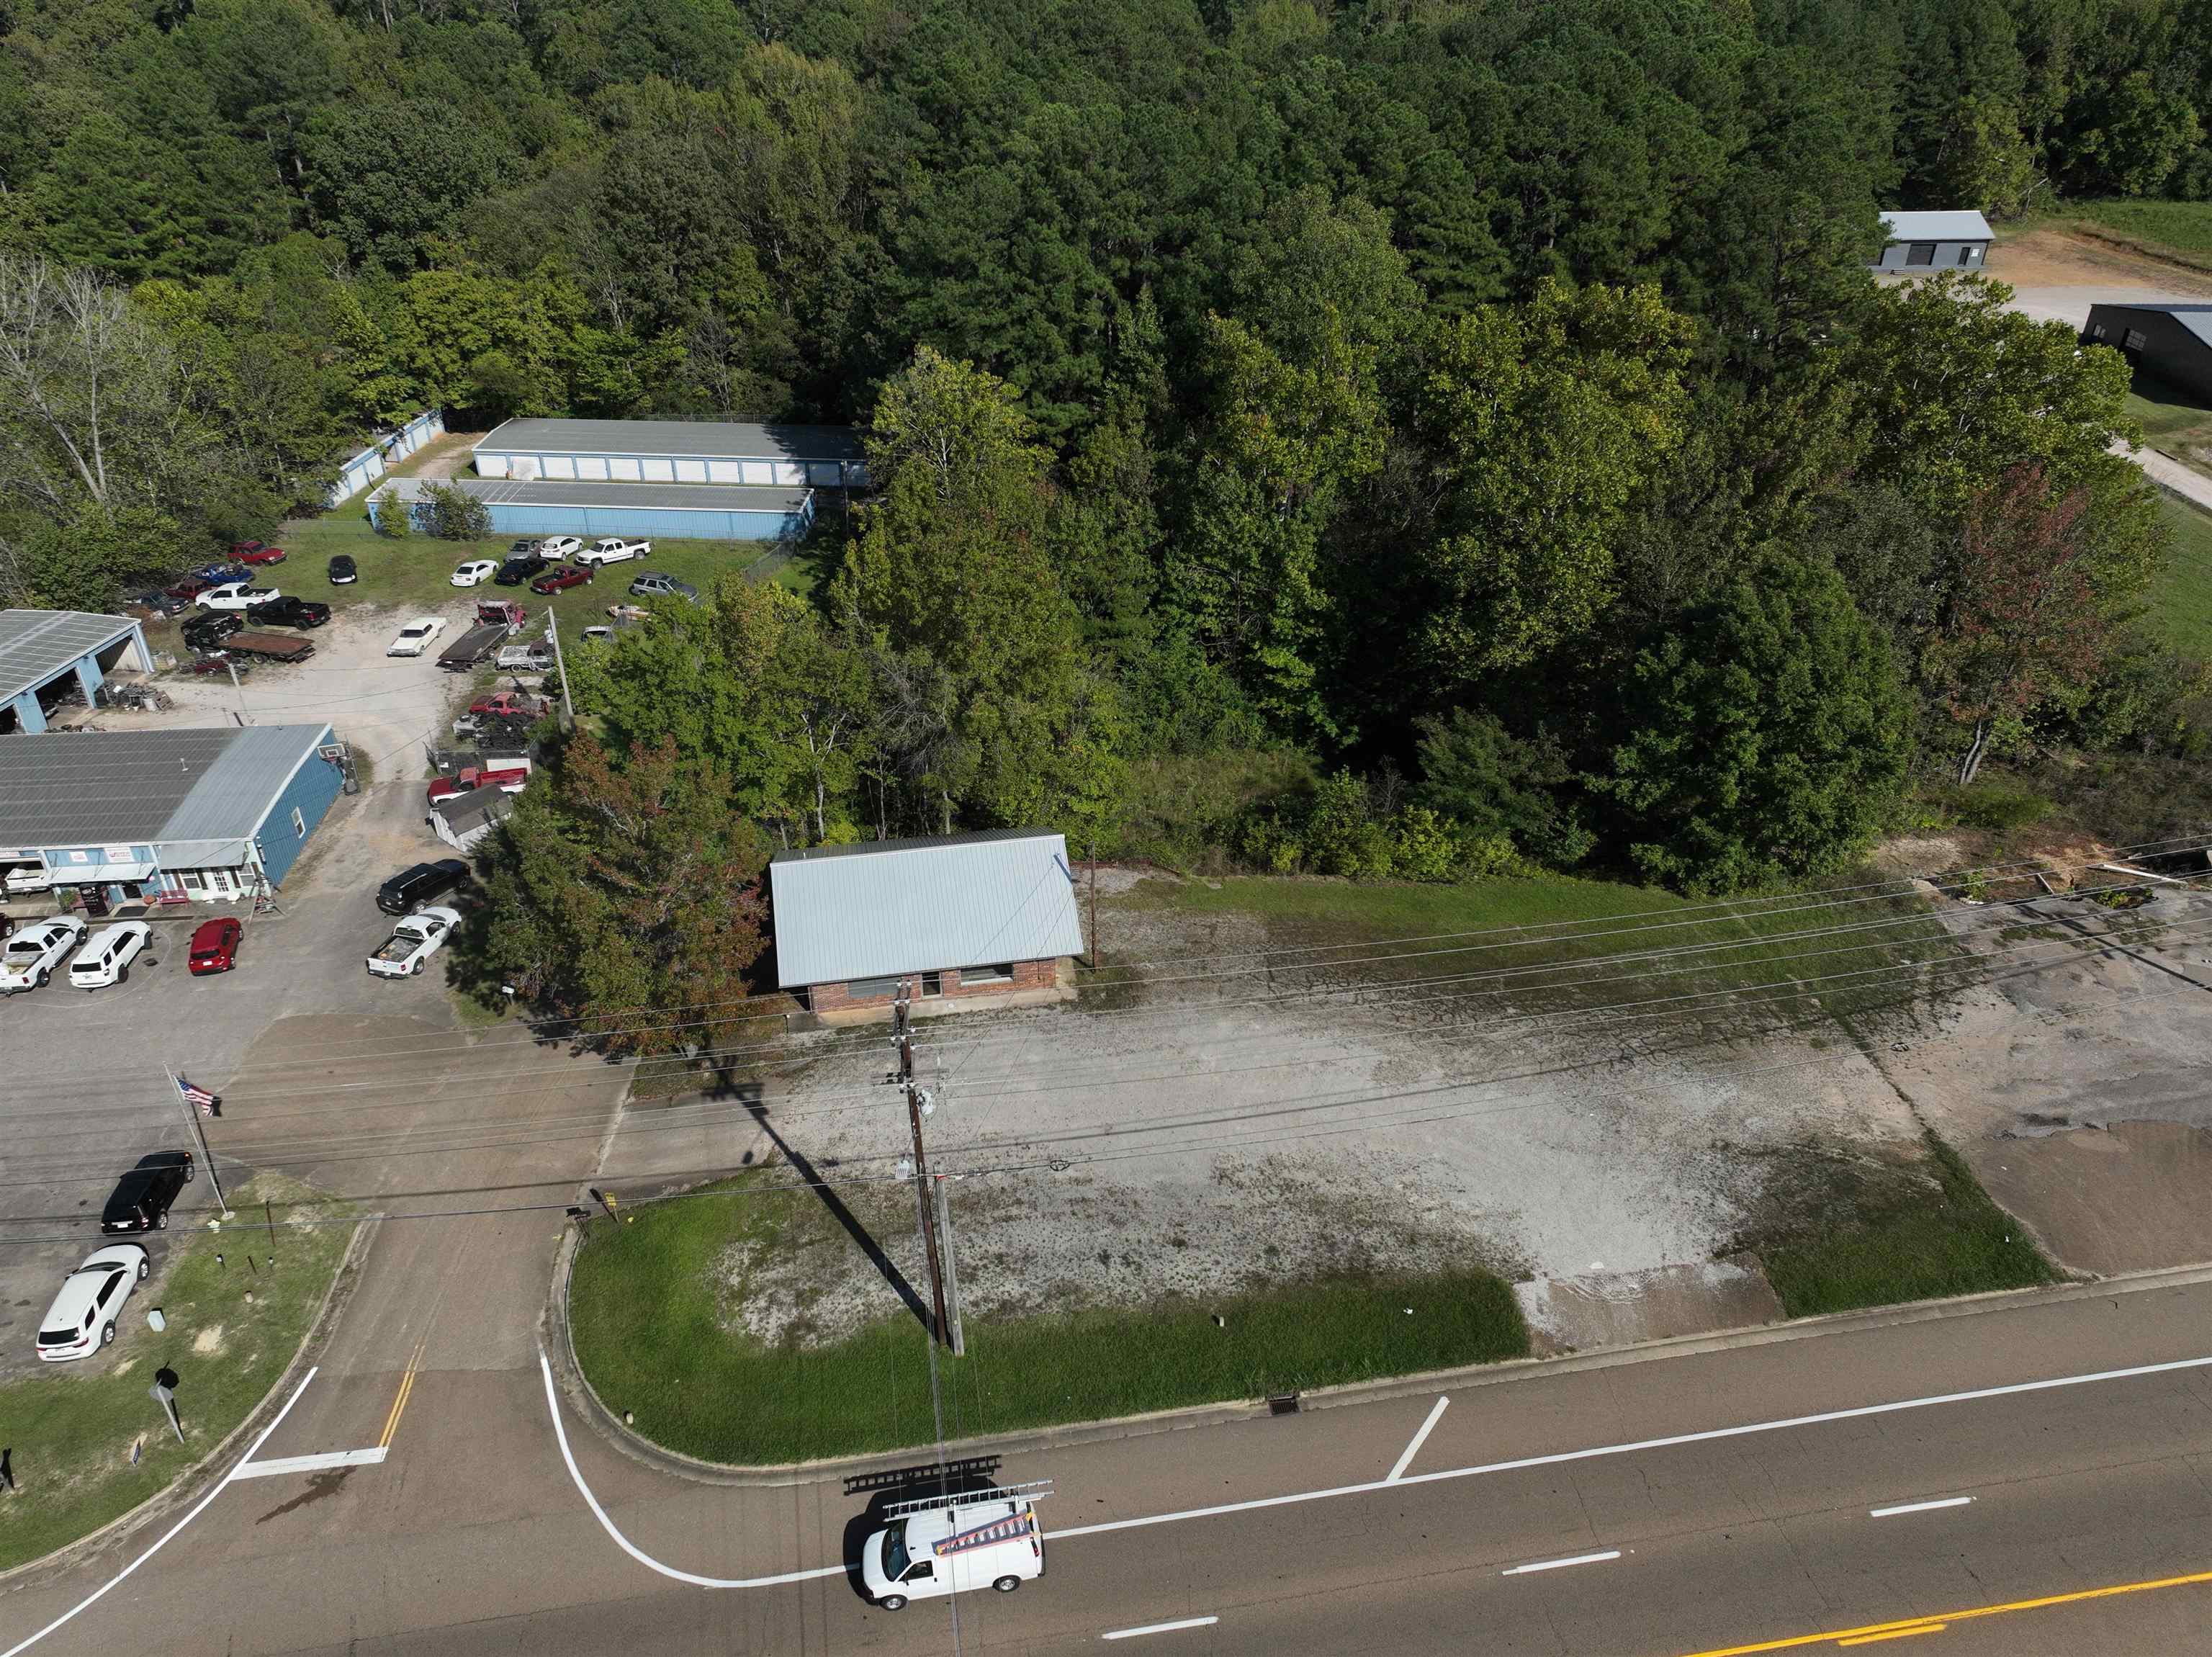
675, 452
962, 920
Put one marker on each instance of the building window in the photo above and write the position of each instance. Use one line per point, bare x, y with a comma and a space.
298, 823
1002, 973
932, 983
1921, 253
2096, 331
1966, 254
193, 881
870, 989
2134, 340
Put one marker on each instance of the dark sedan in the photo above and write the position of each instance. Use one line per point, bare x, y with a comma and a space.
560, 580
143, 1197
289, 611
344, 571
161, 603
522, 566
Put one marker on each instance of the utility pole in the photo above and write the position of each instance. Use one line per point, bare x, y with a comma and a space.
1097, 955
561, 666
236, 686
958, 1341
903, 1024
207, 1157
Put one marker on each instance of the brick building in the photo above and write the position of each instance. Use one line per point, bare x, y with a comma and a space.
986, 919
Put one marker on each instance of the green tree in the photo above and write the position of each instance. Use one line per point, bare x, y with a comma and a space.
1766, 739
394, 518
456, 514
1476, 772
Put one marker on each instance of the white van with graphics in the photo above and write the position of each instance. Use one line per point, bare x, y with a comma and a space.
953, 1544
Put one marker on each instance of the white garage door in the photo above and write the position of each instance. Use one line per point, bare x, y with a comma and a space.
623, 468
558, 465
594, 466
726, 472
691, 471
658, 469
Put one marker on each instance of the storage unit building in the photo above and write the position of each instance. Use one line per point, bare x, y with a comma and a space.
2171, 342
357, 471
960, 918
707, 512
1957, 240
45, 654
675, 452
163, 814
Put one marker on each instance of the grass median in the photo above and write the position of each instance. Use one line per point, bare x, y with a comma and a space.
71, 1432
657, 1326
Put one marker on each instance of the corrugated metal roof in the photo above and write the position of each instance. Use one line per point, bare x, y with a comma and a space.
892, 906
36, 644
98, 787
2197, 318
540, 492
1959, 224
718, 439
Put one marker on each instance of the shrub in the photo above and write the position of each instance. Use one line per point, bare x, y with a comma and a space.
456, 514
392, 518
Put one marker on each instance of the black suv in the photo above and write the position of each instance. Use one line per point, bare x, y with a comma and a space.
205, 632
142, 1198
520, 567
411, 888
289, 611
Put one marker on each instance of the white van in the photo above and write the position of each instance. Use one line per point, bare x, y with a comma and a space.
955, 1544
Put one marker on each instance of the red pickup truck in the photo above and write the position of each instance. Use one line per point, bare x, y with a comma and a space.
509, 703
510, 775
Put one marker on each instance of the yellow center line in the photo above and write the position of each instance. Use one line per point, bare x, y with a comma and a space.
1871, 1632
398, 1404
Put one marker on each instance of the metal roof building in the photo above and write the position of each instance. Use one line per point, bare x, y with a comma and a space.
2173, 343
955, 916
45, 654
675, 452
709, 512
105, 808
1955, 239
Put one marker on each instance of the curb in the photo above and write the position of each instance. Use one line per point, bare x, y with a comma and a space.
640, 1449
192, 1481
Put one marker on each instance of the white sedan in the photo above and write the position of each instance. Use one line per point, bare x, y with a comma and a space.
237, 595
412, 942
30, 956
107, 954
559, 546
415, 637
475, 572
83, 1318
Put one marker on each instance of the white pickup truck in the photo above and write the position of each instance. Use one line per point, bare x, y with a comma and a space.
613, 549
413, 941
535, 657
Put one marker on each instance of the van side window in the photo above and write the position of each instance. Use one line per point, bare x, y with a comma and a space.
922, 1571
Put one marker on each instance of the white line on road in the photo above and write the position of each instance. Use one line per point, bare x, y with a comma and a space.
282, 1465
1419, 1439
1161, 1628
1918, 1507
1560, 1564
1747, 1429
553, 1404
167, 1536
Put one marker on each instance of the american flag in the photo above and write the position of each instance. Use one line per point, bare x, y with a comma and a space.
199, 1096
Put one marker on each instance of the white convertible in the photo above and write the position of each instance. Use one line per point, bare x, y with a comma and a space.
29, 958
412, 942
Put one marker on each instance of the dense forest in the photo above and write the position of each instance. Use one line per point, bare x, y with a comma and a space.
1377, 438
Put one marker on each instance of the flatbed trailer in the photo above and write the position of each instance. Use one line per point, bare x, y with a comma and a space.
266, 647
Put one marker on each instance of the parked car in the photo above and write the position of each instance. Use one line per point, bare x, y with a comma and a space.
160, 602
613, 549
535, 656
141, 1197
83, 1318
189, 586
412, 942
215, 947
413, 887
344, 572
216, 575
964, 1544
559, 546
560, 578
237, 595
511, 702
662, 587
289, 612
239, 547
107, 954
25, 877
475, 571
524, 546
415, 637
32, 954
520, 568
205, 632
260, 555
509, 776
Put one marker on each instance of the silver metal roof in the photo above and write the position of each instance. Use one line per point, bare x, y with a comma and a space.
2197, 318
36, 644
892, 907
718, 439
541, 492
113, 787
1962, 224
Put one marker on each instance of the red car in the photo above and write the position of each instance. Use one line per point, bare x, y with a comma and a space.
215, 947
508, 704
191, 588
509, 780
560, 580
259, 554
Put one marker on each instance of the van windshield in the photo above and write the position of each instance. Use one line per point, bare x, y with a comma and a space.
895, 1554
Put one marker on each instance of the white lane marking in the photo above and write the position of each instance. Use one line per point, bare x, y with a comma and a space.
221, 1484
1161, 1628
1595, 1452
553, 1404
1561, 1564
1420, 1438
1918, 1507
282, 1465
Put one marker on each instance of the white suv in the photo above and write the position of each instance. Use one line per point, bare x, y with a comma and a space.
107, 956
614, 550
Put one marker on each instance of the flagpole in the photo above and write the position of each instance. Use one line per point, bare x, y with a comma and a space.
207, 1157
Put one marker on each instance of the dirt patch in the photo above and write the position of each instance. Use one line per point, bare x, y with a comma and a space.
1573, 1314
2131, 1198
2055, 258
441, 457
207, 1340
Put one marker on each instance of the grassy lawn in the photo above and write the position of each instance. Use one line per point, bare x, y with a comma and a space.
2181, 597
72, 1431
2180, 231
1852, 1233
654, 1330
1469, 941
